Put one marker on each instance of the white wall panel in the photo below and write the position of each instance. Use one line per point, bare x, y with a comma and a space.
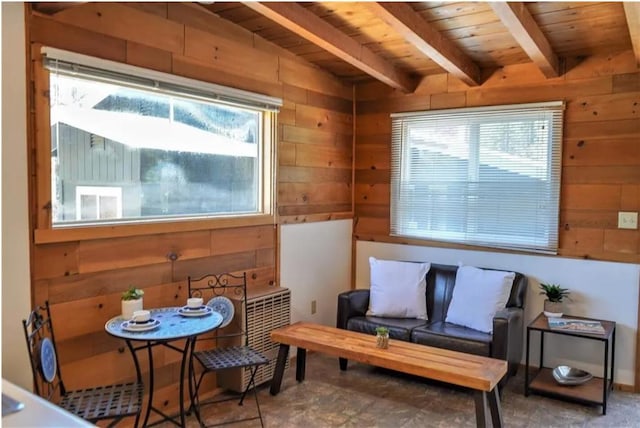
315, 264
604, 290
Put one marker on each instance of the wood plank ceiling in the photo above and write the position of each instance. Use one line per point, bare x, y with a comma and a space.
399, 43
463, 35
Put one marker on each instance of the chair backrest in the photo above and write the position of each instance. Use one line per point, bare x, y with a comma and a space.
214, 289
43, 354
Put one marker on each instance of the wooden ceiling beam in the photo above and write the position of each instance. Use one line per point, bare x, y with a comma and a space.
306, 24
51, 8
632, 12
516, 17
414, 29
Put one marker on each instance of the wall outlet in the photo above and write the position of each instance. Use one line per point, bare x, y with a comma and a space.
627, 220
313, 307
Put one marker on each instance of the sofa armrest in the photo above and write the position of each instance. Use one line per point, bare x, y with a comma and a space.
351, 304
508, 337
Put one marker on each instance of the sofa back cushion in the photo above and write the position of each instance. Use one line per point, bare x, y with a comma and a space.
441, 280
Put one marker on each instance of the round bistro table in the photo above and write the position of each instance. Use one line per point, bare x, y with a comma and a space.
172, 326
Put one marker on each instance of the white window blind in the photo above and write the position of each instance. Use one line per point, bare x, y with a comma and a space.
486, 176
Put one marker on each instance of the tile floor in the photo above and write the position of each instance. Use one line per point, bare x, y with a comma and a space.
365, 396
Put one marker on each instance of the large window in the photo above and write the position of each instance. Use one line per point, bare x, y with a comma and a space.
485, 176
130, 145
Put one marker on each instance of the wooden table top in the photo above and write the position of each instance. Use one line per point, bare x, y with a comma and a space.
458, 368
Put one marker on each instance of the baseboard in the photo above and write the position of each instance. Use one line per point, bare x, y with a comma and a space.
623, 387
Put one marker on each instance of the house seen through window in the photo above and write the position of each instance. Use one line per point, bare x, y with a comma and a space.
121, 152
481, 176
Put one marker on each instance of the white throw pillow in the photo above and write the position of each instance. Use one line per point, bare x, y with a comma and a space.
477, 296
398, 289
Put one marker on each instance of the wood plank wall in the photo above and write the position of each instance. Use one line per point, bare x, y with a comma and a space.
601, 146
83, 279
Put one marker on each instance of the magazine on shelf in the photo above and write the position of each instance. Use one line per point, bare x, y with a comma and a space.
570, 324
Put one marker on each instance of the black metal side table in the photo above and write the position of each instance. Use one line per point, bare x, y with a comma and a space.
596, 390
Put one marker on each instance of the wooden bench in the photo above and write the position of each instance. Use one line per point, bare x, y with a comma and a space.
480, 374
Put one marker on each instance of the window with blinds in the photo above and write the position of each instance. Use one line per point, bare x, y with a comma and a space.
487, 176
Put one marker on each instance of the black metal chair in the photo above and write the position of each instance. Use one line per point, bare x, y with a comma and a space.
92, 404
232, 350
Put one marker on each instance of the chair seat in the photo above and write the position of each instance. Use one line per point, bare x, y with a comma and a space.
232, 357
103, 402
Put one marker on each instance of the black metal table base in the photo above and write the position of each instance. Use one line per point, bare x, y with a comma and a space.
179, 418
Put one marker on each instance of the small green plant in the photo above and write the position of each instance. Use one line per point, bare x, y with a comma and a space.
554, 292
382, 331
132, 293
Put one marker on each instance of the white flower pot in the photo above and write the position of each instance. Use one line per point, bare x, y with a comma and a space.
552, 309
128, 306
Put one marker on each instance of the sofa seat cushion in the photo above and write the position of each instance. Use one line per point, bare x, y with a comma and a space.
399, 328
454, 337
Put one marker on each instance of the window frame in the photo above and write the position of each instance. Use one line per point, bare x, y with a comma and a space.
473, 118
45, 232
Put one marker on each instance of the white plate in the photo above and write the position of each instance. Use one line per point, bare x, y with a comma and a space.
200, 308
223, 306
189, 312
134, 326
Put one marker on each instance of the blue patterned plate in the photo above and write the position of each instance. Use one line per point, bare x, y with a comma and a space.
48, 364
223, 306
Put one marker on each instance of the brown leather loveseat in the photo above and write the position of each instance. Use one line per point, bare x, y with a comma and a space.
505, 343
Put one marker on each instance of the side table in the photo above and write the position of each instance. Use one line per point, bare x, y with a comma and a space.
596, 390
172, 326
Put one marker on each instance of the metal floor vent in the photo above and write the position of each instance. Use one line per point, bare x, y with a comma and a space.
264, 314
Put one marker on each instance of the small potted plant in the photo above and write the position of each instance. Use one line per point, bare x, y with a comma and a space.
131, 301
382, 337
555, 294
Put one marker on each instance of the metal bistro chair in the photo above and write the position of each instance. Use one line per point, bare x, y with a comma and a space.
92, 404
219, 292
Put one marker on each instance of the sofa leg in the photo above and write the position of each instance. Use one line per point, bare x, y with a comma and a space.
512, 369
343, 364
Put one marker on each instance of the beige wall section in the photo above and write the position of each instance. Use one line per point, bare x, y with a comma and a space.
315, 263
15, 217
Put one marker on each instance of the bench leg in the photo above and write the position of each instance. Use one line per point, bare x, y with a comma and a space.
482, 413
343, 363
494, 406
283, 353
301, 360
488, 413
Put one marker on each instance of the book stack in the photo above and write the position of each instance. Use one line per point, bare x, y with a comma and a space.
576, 325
